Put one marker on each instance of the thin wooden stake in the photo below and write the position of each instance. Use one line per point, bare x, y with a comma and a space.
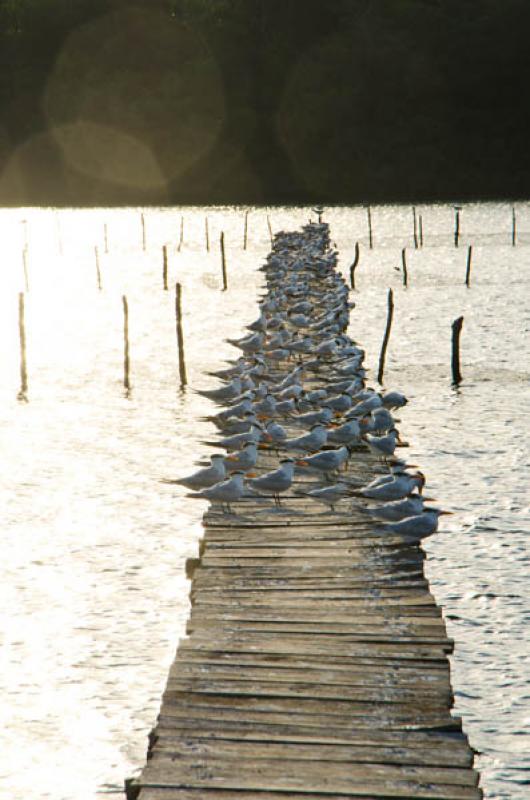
455, 350
245, 231
404, 263
207, 234
181, 237
389, 316
180, 337
25, 266
415, 224
126, 360
270, 230
23, 393
144, 238
457, 225
106, 237
420, 225
98, 271
164, 267
468, 267
514, 227
370, 234
223, 261
354, 265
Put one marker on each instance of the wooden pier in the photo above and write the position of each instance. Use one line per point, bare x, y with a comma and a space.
315, 663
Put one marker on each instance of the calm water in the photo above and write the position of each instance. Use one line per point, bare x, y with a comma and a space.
92, 581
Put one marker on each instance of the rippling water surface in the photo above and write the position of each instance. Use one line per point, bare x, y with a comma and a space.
92, 575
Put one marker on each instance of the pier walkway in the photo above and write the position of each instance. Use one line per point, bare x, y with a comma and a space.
316, 660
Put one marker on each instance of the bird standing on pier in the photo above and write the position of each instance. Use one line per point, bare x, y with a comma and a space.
276, 481
206, 477
418, 527
226, 492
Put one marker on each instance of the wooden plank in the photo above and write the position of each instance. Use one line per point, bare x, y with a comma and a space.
287, 756
206, 745
428, 741
255, 687
379, 780
296, 669
179, 793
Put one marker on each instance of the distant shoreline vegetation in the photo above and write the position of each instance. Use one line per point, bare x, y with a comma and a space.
106, 102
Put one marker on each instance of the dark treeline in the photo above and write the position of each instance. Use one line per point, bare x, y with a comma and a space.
263, 101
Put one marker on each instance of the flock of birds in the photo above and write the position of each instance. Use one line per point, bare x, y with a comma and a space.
298, 340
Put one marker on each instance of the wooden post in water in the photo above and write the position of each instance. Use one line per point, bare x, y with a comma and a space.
144, 239
468, 267
106, 237
404, 263
207, 234
164, 267
514, 227
389, 316
420, 226
126, 360
181, 237
354, 265
98, 271
370, 233
415, 227
23, 393
223, 260
270, 230
457, 224
245, 231
180, 337
25, 266
455, 350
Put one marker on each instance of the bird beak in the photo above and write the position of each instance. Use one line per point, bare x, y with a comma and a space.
433, 500
444, 513
263, 447
262, 416
251, 475
333, 425
301, 463
231, 458
338, 414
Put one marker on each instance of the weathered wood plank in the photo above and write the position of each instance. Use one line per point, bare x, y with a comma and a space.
206, 745
380, 780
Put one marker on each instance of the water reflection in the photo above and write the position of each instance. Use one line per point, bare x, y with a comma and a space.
95, 543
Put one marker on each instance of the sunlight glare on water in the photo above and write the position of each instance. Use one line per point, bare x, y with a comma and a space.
93, 579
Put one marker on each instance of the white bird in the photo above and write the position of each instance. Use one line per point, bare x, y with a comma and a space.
330, 495
420, 526
314, 440
399, 509
340, 402
365, 406
381, 420
249, 344
245, 459
226, 492
275, 482
327, 461
382, 446
324, 416
275, 431
228, 392
394, 400
238, 440
396, 489
348, 434
208, 476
